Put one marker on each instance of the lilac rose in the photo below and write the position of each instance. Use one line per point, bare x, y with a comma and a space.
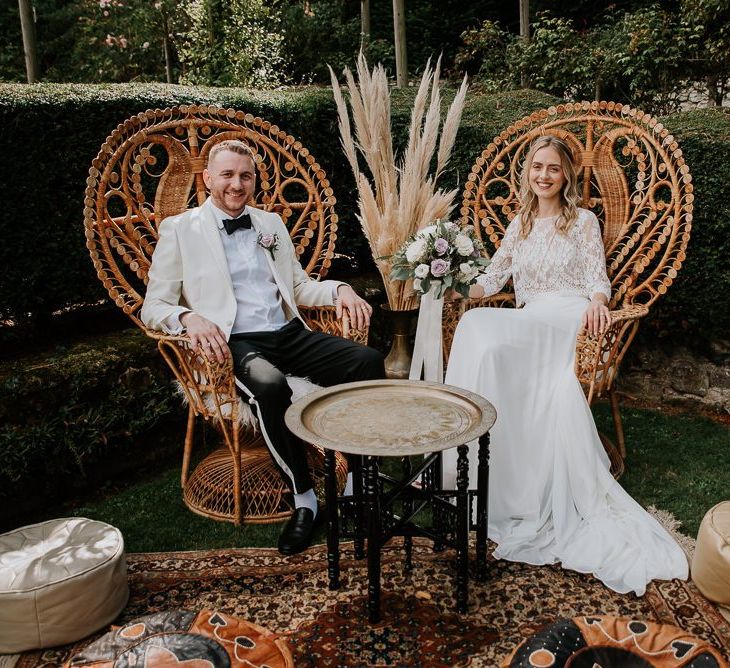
439, 268
441, 245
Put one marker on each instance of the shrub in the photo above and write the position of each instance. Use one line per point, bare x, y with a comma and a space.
51, 132
79, 408
697, 306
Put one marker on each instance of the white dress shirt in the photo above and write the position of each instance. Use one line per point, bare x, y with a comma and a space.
259, 305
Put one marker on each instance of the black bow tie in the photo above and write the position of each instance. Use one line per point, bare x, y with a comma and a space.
233, 224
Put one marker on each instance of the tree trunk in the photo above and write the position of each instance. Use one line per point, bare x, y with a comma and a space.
711, 82
525, 35
27, 26
364, 25
399, 29
166, 47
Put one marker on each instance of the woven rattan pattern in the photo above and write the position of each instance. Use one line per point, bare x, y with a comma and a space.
634, 178
151, 167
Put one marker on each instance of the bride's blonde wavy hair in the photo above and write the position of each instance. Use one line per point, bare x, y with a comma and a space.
569, 194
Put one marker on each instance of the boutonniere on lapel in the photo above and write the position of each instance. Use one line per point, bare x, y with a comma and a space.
269, 242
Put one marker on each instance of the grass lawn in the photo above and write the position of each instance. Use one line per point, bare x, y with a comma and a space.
679, 463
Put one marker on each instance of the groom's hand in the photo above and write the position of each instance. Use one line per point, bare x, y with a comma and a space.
205, 336
357, 308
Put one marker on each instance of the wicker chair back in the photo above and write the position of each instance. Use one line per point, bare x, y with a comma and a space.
151, 167
633, 178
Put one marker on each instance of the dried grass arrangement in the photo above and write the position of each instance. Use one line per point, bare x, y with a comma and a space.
403, 197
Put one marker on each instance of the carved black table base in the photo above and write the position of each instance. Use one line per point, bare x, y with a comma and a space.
364, 513
414, 421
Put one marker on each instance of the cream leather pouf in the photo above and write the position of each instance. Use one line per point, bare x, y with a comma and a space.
711, 560
60, 581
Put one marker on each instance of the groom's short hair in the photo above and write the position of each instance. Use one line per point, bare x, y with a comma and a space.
233, 145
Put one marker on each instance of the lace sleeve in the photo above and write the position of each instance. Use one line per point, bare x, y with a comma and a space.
500, 268
594, 258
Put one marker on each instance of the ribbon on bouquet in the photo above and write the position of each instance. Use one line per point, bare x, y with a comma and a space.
428, 359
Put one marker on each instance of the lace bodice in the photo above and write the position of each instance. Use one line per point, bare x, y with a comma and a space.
549, 262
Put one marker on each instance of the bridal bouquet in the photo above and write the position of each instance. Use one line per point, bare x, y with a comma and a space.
440, 256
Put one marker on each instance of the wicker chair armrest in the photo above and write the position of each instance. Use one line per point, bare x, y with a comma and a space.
598, 357
324, 319
209, 386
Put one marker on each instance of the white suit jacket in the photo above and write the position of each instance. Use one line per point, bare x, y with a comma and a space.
189, 268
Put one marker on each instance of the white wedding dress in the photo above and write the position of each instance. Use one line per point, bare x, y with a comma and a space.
551, 496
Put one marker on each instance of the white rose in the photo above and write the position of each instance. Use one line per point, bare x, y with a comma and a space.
467, 272
465, 268
464, 244
421, 271
416, 250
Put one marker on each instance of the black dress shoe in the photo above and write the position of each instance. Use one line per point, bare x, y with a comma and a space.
298, 530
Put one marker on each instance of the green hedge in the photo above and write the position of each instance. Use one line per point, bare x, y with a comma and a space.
51, 133
69, 413
697, 306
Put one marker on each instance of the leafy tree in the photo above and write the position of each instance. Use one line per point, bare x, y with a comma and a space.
233, 43
708, 22
639, 57
318, 33
483, 55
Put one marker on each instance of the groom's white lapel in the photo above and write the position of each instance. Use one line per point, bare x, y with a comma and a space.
211, 234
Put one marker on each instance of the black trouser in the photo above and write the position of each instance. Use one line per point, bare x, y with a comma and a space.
260, 362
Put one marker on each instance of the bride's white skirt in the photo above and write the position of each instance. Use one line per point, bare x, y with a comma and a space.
551, 496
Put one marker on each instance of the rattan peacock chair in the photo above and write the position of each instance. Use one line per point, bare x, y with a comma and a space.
635, 180
151, 167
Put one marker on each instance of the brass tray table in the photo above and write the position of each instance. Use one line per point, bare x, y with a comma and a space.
400, 418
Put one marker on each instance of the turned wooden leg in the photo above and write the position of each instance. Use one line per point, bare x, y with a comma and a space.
236, 454
462, 529
407, 510
188, 446
358, 500
374, 537
333, 537
617, 423
482, 507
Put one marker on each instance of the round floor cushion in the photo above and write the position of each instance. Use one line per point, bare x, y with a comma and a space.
60, 581
205, 639
610, 642
711, 559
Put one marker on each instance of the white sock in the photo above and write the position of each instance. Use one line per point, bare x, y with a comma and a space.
306, 499
348, 485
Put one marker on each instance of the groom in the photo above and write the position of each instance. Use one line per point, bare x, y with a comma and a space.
227, 274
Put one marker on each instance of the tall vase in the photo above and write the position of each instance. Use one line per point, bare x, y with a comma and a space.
398, 361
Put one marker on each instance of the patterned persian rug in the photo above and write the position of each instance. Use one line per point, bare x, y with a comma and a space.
289, 595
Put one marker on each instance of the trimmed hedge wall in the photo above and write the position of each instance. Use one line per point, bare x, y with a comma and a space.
52, 132
69, 417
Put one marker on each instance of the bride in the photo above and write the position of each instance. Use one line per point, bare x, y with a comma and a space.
551, 496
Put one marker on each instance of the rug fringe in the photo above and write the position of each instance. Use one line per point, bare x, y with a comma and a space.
8, 660
672, 525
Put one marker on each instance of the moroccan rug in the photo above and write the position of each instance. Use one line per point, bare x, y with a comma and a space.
420, 628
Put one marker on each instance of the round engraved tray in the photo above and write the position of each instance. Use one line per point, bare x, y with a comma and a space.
390, 417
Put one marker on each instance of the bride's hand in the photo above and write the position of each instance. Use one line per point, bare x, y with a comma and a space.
476, 291
596, 317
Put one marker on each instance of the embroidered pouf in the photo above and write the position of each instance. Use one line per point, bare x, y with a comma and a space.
610, 642
711, 559
60, 581
186, 638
